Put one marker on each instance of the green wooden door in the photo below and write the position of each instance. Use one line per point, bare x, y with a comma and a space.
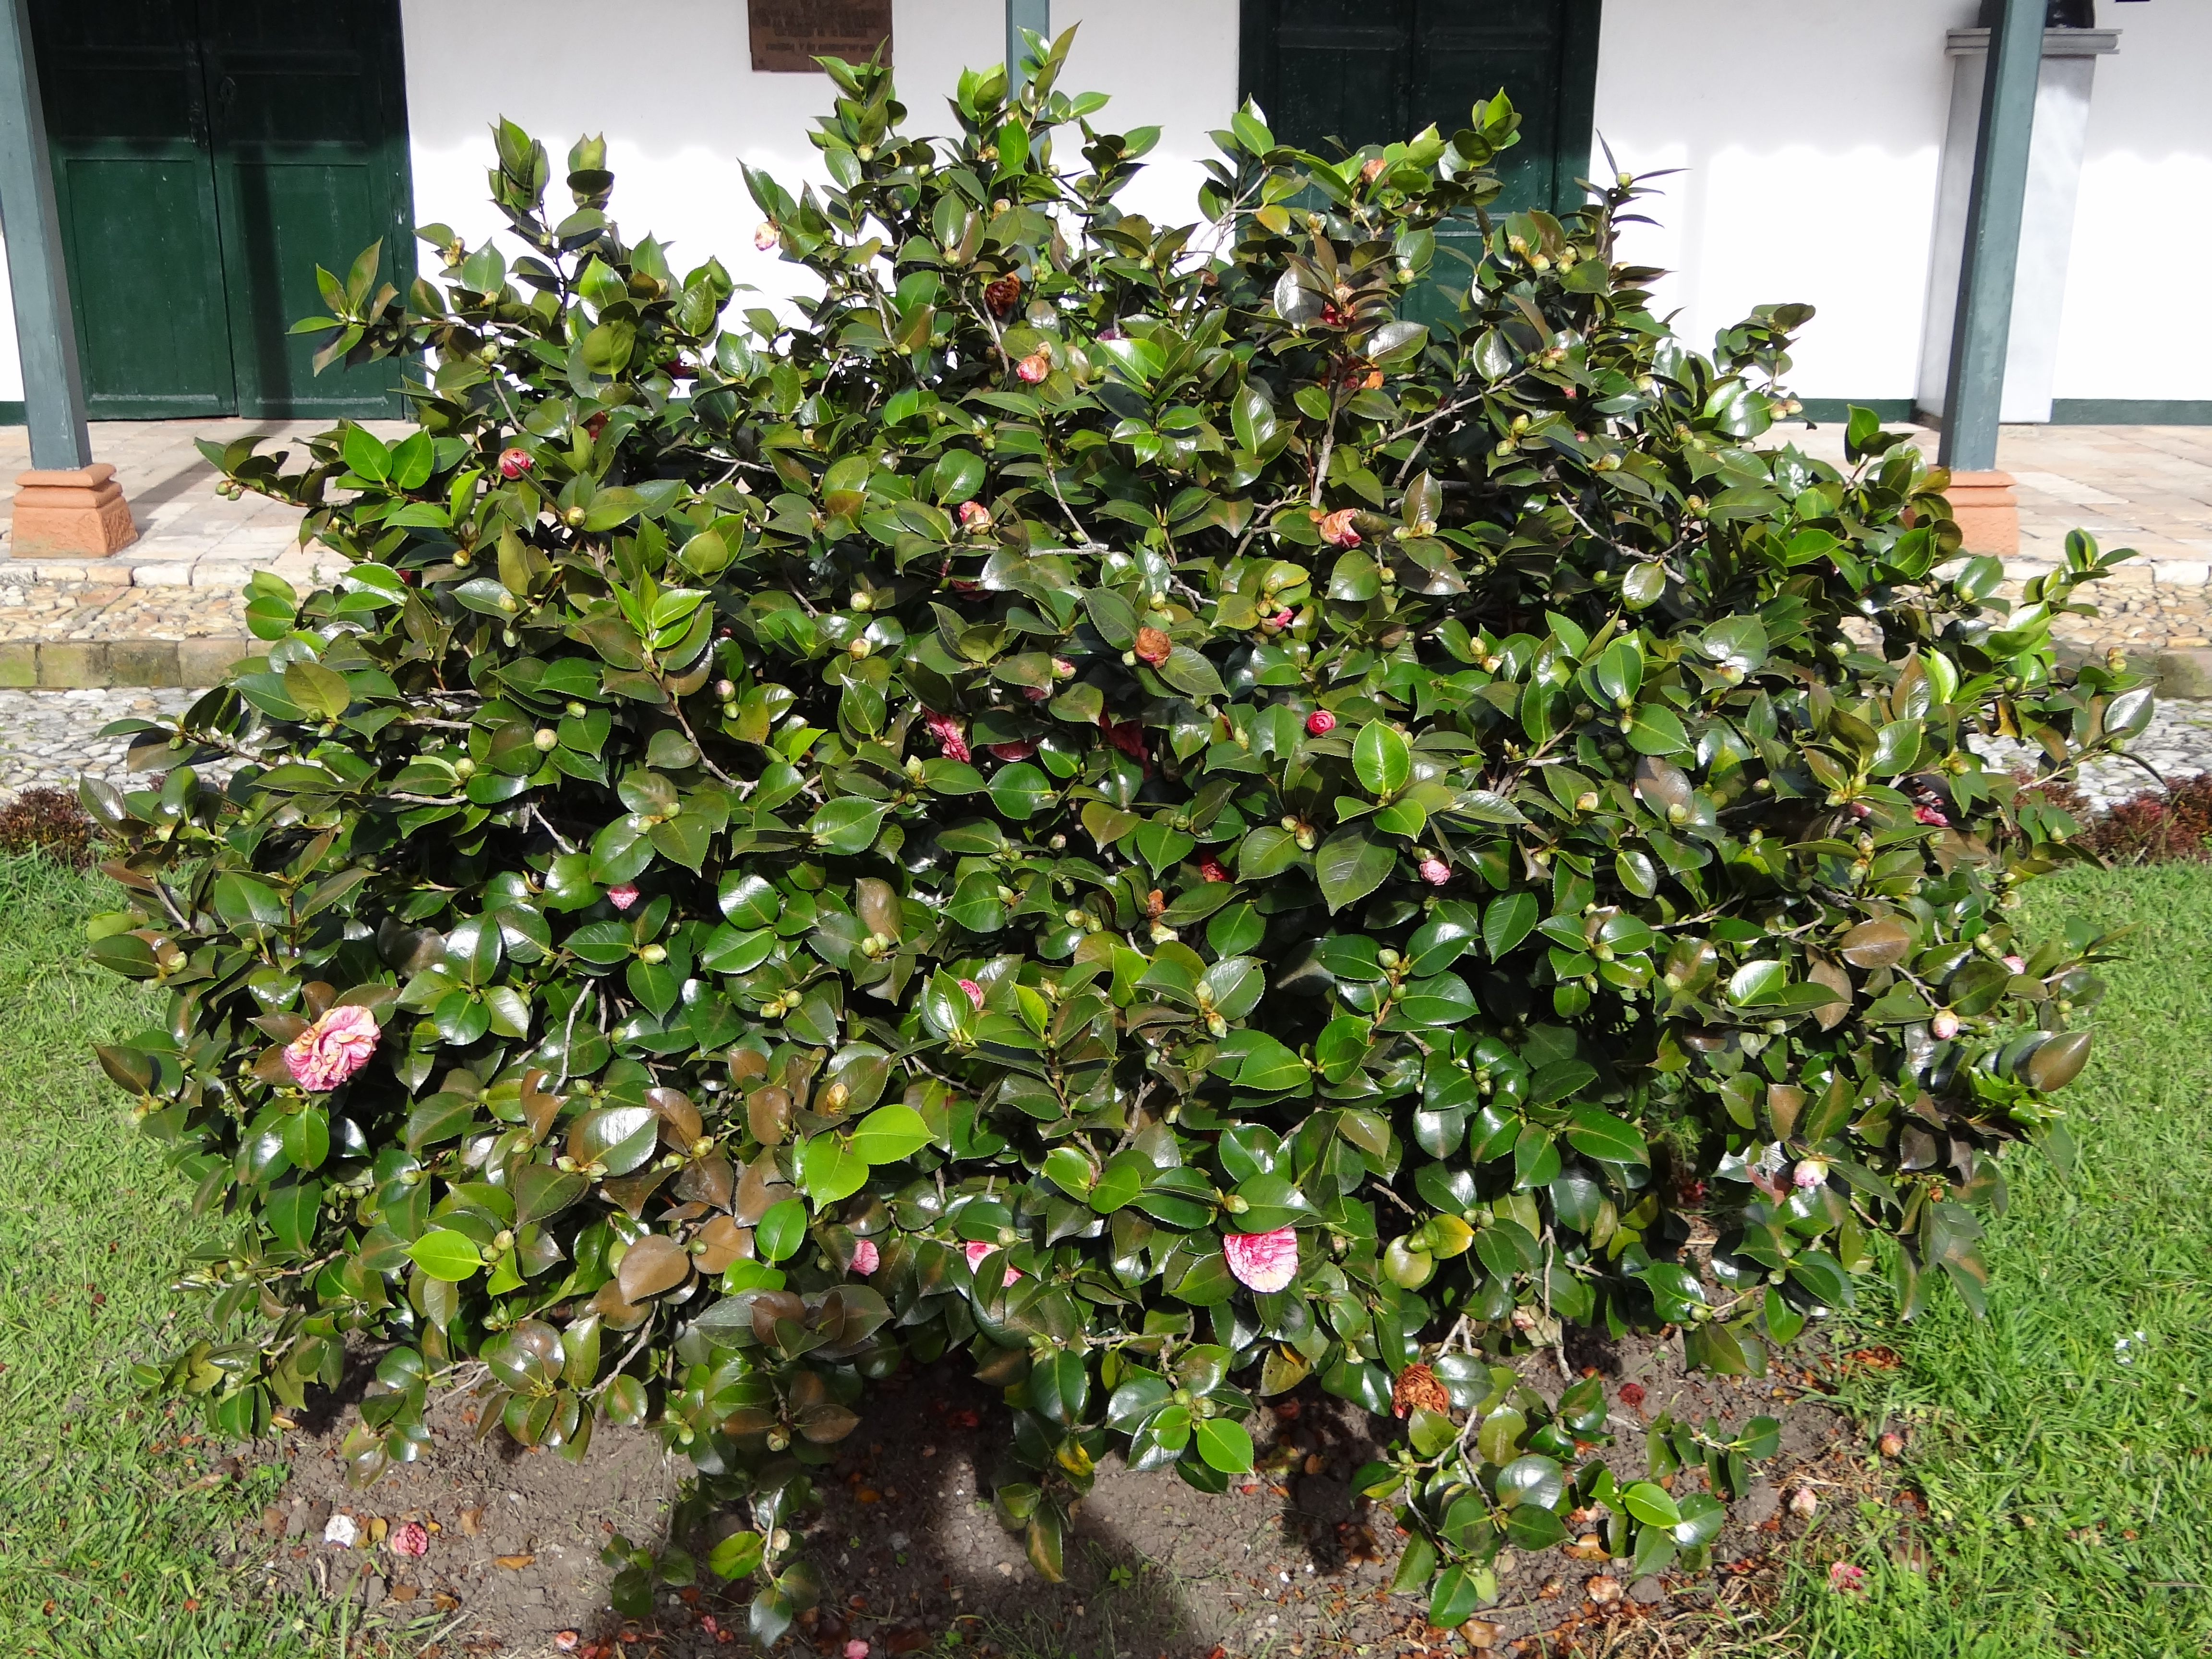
1374, 71
208, 155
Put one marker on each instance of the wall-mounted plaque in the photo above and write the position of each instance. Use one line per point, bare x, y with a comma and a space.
788, 35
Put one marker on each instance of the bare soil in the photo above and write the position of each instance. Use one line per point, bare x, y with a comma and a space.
1289, 1562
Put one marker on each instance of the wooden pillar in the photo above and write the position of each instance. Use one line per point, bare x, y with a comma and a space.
1981, 496
66, 504
1033, 15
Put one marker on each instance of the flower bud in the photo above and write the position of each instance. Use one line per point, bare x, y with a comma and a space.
545, 738
513, 463
1320, 722
1944, 1026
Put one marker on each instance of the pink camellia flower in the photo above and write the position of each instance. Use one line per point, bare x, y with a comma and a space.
1011, 752
974, 516
1861, 809
977, 1250
513, 463
1930, 815
1283, 618
766, 235
1062, 669
411, 1538
1336, 528
1213, 870
866, 1258
1435, 872
1944, 1026
1810, 1172
332, 1049
622, 894
1035, 367
856, 1649
2016, 964
1321, 720
975, 993
950, 738
1845, 1579
1263, 1261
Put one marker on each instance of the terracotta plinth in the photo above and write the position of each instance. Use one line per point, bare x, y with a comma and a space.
80, 511
1987, 511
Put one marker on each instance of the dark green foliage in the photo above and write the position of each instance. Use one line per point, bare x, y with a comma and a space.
1117, 748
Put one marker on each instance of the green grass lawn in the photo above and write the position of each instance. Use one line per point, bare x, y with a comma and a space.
2039, 1451
109, 1526
2070, 1484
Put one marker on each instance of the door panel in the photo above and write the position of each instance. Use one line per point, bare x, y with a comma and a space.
134, 194
146, 281
309, 122
1364, 72
1376, 71
208, 155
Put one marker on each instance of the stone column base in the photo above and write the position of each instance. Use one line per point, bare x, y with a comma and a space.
80, 511
1987, 511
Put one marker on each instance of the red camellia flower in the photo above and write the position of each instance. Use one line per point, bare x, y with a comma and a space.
1263, 1261
1321, 720
1035, 367
1126, 735
1002, 295
866, 1258
1211, 869
332, 1049
1336, 527
950, 738
1631, 1395
975, 993
513, 463
622, 895
1930, 815
1011, 752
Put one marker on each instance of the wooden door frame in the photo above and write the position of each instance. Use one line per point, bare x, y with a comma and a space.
1577, 108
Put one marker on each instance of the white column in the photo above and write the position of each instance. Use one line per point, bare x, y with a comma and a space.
2054, 176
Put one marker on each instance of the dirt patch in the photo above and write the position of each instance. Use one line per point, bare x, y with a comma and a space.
1290, 1562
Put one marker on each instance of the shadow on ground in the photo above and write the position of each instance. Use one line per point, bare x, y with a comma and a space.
1288, 1563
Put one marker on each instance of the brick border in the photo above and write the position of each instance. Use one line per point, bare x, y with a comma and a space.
60, 666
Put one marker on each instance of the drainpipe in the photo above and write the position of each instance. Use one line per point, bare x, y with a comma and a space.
1981, 497
1034, 15
66, 504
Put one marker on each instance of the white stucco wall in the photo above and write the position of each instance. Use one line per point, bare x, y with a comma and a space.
674, 141
2142, 239
1809, 137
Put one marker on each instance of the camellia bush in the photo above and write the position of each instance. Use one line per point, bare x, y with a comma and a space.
1111, 801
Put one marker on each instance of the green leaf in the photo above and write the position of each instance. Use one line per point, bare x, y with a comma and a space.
848, 824
782, 1231
1651, 1505
1382, 759
1224, 1444
1596, 1133
446, 1254
890, 1133
736, 1556
1351, 864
